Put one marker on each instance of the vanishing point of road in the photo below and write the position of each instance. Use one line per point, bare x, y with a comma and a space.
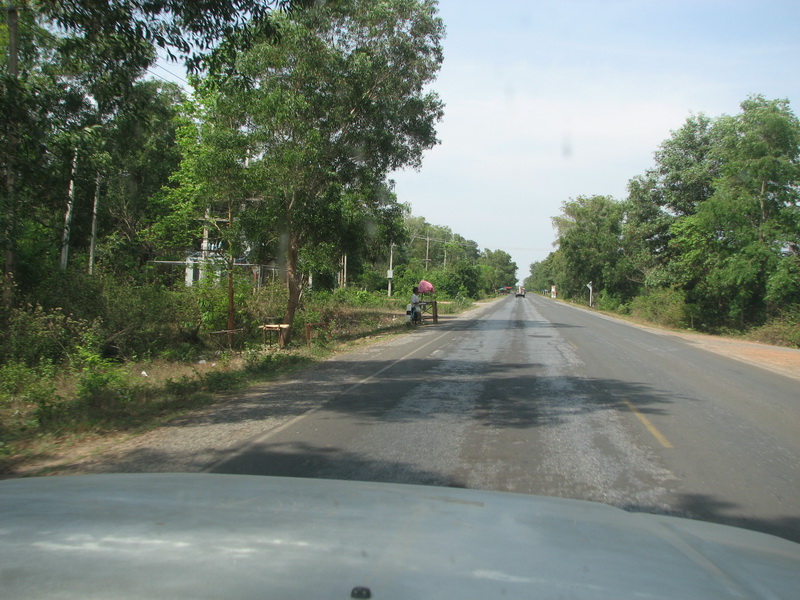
524, 395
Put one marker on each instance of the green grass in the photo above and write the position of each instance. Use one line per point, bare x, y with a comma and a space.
43, 408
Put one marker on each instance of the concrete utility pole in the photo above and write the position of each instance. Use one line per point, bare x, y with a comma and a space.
390, 272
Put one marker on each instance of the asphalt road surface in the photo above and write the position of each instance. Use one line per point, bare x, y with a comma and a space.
535, 396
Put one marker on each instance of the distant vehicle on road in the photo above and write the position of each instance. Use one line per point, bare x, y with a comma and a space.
520, 292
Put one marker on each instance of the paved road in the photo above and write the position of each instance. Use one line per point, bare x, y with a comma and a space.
534, 396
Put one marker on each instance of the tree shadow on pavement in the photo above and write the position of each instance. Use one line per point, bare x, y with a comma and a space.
708, 508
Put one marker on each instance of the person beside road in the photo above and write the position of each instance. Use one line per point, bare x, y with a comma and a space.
416, 314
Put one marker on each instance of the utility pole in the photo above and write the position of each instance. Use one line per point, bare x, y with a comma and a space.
390, 273
231, 265
427, 251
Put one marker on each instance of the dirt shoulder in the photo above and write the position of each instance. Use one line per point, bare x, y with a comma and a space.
783, 361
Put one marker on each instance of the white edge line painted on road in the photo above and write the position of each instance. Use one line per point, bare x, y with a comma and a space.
648, 425
401, 359
308, 413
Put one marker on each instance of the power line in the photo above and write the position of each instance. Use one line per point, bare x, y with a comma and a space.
163, 68
159, 76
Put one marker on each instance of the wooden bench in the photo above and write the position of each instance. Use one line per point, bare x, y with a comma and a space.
281, 329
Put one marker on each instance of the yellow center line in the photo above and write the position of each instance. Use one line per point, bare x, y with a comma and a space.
646, 422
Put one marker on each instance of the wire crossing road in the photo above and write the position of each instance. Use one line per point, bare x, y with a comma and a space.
534, 396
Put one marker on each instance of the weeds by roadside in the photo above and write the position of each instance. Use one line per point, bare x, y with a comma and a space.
103, 397
44, 405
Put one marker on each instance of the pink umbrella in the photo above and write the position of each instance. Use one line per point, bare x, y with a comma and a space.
425, 287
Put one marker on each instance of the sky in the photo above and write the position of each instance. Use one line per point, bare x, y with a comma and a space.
548, 100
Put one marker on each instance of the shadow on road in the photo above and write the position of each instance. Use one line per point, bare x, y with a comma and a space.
705, 507
499, 395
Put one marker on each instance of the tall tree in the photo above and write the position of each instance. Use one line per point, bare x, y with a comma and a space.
139, 156
739, 239
681, 180
330, 111
498, 270
589, 241
101, 48
686, 167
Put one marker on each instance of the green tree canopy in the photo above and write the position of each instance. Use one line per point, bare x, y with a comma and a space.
717, 221
589, 239
313, 125
497, 269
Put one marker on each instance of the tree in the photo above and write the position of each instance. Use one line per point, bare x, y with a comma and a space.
545, 274
97, 49
497, 269
589, 241
645, 236
686, 167
329, 112
27, 99
460, 278
436, 246
194, 29
731, 254
142, 153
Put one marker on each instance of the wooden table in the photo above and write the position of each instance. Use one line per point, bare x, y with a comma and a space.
282, 330
431, 309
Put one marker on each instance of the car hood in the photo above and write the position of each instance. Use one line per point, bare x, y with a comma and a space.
237, 536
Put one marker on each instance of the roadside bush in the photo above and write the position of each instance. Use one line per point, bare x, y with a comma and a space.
360, 298
101, 383
38, 336
783, 330
265, 304
211, 298
666, 307
454, 306
24, 391
183, 352
145, 320
372, 280
611, 303
306, 315
74, 292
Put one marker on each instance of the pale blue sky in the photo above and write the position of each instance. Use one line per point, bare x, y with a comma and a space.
547, 100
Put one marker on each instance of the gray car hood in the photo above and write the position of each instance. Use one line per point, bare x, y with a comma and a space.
235, 536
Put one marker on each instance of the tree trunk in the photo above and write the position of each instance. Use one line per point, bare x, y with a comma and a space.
93, 240
10, 209
68, 214
295, 282
763, 210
